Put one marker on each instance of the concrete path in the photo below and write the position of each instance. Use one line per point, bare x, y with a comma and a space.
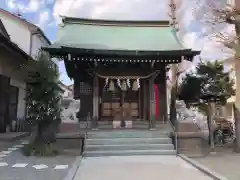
225, 162
137, 168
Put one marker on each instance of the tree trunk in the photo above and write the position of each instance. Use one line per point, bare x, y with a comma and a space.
237, 129
210, 126
173, 112
46, 134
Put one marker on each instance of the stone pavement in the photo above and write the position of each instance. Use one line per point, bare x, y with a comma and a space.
15, 166
137, 168
225, 162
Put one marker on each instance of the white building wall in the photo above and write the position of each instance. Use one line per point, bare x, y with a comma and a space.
30, 42
37, 43
19, 33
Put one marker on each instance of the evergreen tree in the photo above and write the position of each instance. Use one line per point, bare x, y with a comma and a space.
43, 100
209, 82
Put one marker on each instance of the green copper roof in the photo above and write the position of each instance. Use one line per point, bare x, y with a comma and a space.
117, 35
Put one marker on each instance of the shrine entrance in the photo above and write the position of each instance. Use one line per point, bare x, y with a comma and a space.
116, 66
127, 99
121, 101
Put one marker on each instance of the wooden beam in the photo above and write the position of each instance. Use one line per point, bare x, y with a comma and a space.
145, 100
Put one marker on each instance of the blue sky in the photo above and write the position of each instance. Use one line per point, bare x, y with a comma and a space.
45, 14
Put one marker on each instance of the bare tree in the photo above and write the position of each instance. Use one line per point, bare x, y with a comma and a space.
217, 15
176, 69
175, 73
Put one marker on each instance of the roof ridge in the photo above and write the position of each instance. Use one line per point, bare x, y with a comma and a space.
110, 22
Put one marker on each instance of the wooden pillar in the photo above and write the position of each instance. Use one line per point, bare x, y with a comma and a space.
95, 102
145, 100
76, 88
123, 115
100, 99
164, 114
152, 122
139, 97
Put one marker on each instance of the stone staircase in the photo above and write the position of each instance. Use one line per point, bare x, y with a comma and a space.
136, 124
128, 143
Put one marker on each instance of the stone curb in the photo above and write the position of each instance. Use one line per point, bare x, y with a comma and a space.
72, 172
202, 168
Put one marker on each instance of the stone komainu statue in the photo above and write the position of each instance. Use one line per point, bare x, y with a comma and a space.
192, 115
70, 109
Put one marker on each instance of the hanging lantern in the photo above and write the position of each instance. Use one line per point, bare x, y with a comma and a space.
124, 86
135, 85
111, 86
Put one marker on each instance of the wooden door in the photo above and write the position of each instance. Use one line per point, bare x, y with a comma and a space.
131, 102
110, 102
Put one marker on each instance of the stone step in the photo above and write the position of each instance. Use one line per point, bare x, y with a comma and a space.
125, 131
116, 141
126, 135
128, 153
118, 147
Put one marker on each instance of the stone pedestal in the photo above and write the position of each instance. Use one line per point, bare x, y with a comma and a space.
189, 138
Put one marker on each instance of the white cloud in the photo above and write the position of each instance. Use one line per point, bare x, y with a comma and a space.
33, 5
189, 40
11, 4
30, 6
43, 19
113, 9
